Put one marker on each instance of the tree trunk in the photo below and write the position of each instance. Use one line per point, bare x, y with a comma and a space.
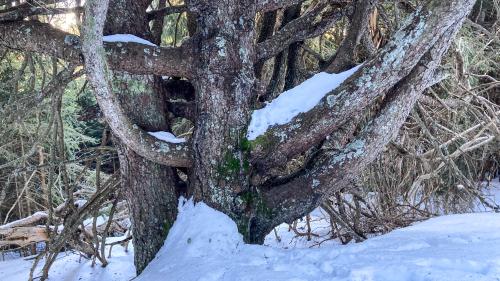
149, 188
225, 87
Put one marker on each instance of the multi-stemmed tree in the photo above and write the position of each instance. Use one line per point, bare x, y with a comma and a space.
220, 65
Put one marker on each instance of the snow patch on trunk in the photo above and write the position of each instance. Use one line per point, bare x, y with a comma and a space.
127, 38
167, 137
297, 100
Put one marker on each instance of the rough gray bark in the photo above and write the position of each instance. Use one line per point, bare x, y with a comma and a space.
389, 66
224, 87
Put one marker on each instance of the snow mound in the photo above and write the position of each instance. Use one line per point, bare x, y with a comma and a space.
127, 38
204, 244
297, 100
167, 137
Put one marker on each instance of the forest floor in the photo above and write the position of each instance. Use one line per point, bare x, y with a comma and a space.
205, 245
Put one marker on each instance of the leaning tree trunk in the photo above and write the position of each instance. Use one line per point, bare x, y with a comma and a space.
149, 188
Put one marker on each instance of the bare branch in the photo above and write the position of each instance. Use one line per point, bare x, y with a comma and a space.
313, 23
99, 77
27, 4
34, 36
343, 58
269, 5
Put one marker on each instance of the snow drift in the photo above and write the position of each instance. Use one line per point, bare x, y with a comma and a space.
204, 244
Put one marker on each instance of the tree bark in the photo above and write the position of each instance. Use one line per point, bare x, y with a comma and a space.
225, 86
150, 188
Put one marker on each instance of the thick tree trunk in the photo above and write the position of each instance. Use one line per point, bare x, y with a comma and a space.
150, 188
150, 192
225, 87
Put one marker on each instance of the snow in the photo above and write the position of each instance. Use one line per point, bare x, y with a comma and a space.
204, 244
300, 99
126, 38
167, 137
70, 266
320, 225
491, 191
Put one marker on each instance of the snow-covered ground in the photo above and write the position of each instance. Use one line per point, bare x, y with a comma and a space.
204, 245
491, 191
69, 266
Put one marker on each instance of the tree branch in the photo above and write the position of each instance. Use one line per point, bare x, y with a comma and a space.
130, 135
34, 36
372, 81
313, 23
333, 170
27, 4
343, 58
21, 13
270, 5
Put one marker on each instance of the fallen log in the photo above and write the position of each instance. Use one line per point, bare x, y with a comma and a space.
23, 236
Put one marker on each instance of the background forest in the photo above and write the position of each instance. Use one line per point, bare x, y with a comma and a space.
55, 145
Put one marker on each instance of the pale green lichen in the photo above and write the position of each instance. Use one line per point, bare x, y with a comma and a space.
221, 44
71, 40
315, 183
353, 150
330, 100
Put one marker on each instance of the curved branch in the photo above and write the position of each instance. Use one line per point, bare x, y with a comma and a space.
369, 83
34, 36
131, 135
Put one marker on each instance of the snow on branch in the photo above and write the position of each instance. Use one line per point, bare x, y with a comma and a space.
332, 170
391, 64
127, 38
300, 99
36, 218
167, 137
130, 54
134, 138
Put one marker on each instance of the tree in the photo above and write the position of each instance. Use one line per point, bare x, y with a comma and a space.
231, 172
